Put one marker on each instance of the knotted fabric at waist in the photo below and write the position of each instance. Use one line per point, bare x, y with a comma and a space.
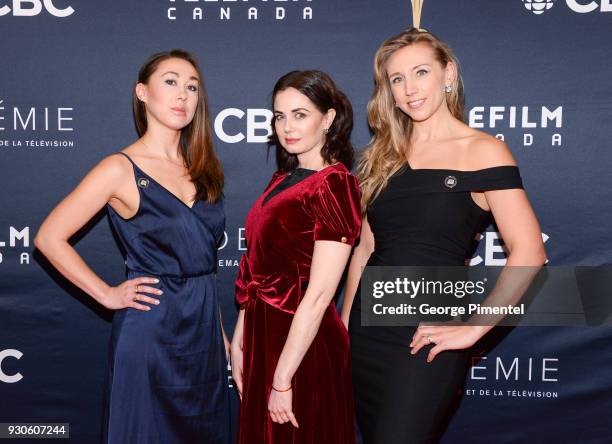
282, 290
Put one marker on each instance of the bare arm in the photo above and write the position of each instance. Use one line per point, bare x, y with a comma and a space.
519, 228
360, 257
522, 235
236, 352
328, 263
226, 342
101, 185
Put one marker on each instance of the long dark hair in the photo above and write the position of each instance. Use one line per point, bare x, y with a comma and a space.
322, 91
196, 138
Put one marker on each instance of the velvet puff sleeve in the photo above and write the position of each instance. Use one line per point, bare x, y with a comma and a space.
336, 207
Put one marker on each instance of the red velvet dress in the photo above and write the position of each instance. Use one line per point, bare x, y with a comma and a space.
273, 277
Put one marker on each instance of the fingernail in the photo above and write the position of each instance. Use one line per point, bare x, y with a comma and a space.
156, 302
148, 308
160, 292
156, 280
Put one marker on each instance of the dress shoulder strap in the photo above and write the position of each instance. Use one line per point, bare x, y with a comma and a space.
137, 171
128, 157
489, 179
504, 177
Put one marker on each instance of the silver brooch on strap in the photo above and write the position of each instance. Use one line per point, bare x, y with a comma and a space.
450, 181
143, 182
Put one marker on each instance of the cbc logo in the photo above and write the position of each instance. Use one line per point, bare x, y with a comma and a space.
10, 353
581, 6
538, 6
30, 8
258, 125
494, 252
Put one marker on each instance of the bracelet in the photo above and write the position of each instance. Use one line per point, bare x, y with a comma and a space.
281, 391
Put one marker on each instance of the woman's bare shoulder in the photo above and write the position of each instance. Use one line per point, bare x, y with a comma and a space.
115, 166
487, 151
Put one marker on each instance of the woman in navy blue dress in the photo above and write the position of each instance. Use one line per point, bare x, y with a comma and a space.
166, 381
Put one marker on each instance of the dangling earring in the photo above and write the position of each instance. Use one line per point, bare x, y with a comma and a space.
448, 88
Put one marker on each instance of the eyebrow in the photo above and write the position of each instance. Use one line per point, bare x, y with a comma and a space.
417, 66
294, 110
176, 74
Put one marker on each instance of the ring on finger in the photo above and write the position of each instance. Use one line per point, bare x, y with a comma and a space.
429, 340
138, 288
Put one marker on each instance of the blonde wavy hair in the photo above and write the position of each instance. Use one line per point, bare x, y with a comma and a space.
386, 152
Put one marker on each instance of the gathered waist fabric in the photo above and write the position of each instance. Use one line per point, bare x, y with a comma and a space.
282, 290
137, 273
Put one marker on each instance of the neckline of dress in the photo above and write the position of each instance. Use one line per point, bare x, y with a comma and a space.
300, 170
458, 171
315, 171
164, 188
286, 174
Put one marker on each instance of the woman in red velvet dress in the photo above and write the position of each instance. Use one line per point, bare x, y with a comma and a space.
290, 350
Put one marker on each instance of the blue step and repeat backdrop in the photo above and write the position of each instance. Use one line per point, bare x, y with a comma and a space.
537, 74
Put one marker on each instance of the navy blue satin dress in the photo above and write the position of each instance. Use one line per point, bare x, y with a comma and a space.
167, 367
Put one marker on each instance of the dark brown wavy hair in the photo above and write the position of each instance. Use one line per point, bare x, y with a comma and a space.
196, 138
322, 91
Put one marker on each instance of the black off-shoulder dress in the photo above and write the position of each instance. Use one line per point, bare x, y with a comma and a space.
424, 217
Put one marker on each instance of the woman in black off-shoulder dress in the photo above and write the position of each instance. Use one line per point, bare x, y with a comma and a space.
430, 184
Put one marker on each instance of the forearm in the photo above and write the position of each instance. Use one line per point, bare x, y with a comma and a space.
68, 262
328, 263
304, 328
226, 342
356, 266
238, 330
521, 268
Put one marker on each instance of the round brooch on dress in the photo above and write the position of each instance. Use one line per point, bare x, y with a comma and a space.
142, 182
450, 181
